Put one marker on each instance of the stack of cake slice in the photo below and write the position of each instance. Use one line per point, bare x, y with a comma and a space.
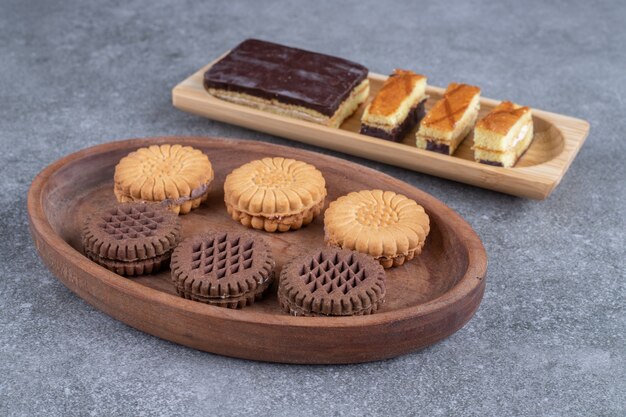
397, 108
502, 137
450, 120
289, 81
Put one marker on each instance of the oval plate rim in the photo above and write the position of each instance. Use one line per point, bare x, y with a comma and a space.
42, 232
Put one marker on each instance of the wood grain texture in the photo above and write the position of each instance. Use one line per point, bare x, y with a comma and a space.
558, 139
427, 299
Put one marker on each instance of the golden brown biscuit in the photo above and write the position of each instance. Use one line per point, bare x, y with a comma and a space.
178, 176
275, 194
388, 226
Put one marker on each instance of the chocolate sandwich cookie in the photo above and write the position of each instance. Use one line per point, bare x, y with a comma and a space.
223, 269
332, 282
131, 238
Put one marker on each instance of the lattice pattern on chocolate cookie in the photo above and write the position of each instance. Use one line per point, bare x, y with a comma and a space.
338, 273
225, 269
128, 222
222, 255
332, 282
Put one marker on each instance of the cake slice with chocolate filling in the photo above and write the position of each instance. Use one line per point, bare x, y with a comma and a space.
450, 120
289, 81
502, 137
397, 108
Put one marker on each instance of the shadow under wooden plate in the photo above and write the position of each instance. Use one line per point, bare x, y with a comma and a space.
557, 140
427, 299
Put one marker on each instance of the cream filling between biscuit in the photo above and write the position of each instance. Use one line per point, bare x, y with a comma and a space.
195, 193
279, 216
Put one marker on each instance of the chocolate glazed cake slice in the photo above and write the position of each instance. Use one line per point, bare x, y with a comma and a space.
397, 108
289, 81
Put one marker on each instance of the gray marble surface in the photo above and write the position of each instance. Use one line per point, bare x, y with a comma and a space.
549, 337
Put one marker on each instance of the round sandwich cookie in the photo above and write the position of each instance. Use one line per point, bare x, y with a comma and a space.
223, 269
275, 194
131, 238
390, 227
332, 282
176, 176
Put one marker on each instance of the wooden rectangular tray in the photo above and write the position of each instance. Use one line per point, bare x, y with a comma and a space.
557, 140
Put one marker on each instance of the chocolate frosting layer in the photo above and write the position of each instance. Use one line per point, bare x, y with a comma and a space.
492, 163
290, 75
438, 147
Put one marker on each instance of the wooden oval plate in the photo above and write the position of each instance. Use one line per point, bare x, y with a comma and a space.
427, 299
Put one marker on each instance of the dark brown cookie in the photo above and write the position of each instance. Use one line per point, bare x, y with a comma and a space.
131, 238
223, 269
332, 282
231, 302
133, 268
